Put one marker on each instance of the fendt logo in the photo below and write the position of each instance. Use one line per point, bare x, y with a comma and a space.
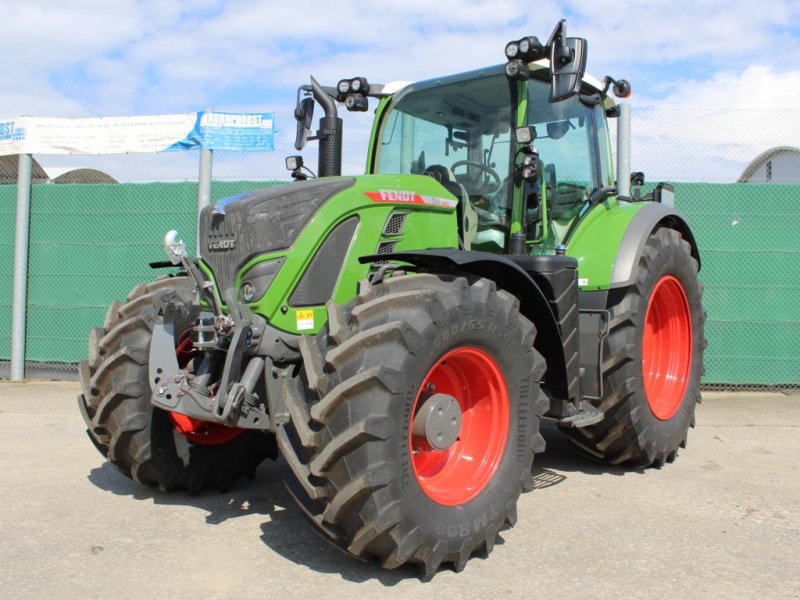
222, 245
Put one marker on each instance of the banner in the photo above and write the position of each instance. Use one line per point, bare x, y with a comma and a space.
230, 131
241, 132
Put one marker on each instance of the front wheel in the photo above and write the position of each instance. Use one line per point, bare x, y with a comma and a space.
423, 422
152, 446
653, 360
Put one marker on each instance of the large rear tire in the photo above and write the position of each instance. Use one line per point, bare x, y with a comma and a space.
379, 489
653, 360
151, 446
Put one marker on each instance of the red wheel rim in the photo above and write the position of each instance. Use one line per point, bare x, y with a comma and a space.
667, 347
197, 430
459, 473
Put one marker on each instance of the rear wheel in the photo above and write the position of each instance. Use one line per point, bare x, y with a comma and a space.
423, 423
653, 360
155, 447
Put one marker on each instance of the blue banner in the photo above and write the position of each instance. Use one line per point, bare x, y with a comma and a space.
242, 132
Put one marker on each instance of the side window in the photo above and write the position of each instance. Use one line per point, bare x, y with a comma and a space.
409, 144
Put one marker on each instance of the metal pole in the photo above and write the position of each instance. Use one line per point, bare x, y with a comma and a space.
20, 301
624, 150
203, 190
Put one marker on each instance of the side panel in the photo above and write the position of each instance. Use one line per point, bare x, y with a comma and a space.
608, 241
429, 222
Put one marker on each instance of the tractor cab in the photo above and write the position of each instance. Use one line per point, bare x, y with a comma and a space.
523, 147
463, 131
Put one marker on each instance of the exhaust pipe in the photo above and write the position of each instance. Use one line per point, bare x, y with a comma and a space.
624, 151
329, 134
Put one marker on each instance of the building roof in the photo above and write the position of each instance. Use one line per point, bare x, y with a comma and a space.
766, 157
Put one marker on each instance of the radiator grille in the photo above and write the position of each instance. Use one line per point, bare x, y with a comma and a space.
394, 224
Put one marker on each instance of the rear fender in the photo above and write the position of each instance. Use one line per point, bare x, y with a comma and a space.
651, 217
610, 240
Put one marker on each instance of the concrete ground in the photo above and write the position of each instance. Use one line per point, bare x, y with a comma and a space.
721, 522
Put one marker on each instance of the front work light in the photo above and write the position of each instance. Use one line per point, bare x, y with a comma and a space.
530, 48
294, 163
516, 69
343, 88
356, 103
519, 53
346, 87
512, 49
360, 85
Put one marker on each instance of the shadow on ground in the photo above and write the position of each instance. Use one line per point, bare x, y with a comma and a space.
286, 530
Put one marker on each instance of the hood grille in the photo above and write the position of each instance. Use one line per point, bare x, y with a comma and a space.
262, 221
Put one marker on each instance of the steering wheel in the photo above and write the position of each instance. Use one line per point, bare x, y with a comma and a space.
483, 169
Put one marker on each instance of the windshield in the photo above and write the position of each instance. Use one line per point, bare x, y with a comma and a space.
457, 126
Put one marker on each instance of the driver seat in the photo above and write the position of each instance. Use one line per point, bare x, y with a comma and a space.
466, 214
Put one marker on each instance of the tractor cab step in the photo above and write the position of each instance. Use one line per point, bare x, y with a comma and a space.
583, 417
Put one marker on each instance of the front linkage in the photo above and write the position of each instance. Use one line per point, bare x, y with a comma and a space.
219, 390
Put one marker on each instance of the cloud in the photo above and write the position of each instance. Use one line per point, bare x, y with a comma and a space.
93, 58
177, 55
710, 130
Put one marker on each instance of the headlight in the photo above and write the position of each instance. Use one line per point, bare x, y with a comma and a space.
257, 279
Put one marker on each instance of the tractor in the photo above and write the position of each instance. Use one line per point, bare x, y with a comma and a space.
398, 337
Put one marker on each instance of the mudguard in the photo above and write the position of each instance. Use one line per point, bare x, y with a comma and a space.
512, 278
610, 240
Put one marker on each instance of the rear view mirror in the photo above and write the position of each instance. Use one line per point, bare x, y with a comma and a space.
304, 114
567, 63
558, 129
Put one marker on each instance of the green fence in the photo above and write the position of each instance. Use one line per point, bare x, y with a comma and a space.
750, 251
91, 243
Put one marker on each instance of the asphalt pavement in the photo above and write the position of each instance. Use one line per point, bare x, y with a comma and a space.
722, 522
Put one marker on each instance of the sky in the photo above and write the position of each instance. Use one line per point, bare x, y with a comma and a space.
715, 82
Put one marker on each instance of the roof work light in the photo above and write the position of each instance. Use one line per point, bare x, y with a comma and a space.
519, 53
353, 92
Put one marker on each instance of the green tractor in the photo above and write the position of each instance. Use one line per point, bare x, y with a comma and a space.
397, 337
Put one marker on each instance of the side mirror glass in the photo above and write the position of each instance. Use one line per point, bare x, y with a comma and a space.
557, 129
304, 114
567, 63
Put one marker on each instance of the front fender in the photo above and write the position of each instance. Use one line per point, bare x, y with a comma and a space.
510, 277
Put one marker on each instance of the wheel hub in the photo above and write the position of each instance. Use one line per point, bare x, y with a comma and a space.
465, 385
667, 347
439, 421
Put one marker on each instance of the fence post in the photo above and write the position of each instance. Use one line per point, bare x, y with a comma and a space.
20, 301
203, 190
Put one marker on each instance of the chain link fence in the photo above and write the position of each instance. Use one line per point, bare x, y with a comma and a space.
91, 243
